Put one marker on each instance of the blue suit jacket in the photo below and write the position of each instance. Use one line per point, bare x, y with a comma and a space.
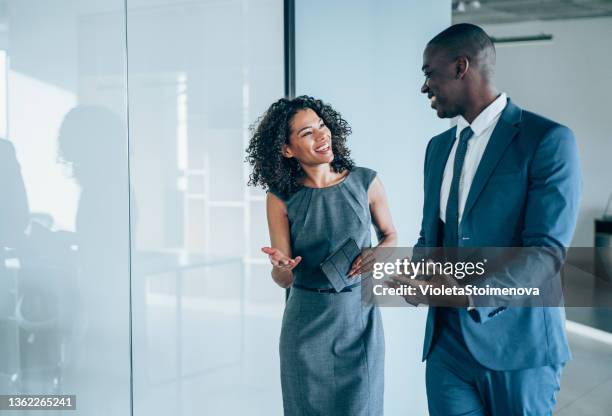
525, 193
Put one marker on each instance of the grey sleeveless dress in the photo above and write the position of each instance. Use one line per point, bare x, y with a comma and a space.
331, 345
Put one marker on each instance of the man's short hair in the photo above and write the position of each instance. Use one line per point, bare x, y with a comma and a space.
466, 39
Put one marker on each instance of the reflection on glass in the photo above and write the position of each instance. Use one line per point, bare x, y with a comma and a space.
204, 313
64, 225
92, 142
3, 107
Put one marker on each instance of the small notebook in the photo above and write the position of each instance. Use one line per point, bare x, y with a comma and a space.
337, 266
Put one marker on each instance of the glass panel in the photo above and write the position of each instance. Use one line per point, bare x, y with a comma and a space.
64, 223
206, 315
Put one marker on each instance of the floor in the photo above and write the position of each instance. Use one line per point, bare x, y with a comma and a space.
599, 318
586, 387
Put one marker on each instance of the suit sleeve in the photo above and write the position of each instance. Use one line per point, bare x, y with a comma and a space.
422, 242
550, 215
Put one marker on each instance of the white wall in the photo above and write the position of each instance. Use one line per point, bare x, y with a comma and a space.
364, 57
570, 81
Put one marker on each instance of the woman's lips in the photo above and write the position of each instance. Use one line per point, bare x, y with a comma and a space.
323, 149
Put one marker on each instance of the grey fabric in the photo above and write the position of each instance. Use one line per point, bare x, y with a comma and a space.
338, 265
331, 345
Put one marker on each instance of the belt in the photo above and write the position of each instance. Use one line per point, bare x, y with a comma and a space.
326, 290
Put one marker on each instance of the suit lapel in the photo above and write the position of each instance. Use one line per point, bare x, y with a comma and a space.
436, 174
502, 136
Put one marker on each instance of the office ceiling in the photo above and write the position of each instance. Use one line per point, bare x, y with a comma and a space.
510, 11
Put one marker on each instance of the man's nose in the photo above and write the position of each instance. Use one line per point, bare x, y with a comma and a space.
425, 87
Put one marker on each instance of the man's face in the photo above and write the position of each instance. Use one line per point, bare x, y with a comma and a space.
441, 85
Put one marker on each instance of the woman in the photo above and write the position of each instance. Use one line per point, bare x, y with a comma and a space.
331, 345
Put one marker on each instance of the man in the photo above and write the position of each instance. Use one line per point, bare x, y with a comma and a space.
502, 177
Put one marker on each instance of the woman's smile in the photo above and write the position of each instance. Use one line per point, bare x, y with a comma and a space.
324, 148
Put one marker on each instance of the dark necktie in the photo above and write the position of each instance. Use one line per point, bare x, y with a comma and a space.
451, 226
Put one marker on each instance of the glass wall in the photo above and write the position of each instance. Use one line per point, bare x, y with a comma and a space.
206, 314
136, 282
64, 234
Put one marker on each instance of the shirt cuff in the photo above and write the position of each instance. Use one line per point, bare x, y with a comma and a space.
471, 306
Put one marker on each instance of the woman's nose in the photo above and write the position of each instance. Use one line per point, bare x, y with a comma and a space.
319, 134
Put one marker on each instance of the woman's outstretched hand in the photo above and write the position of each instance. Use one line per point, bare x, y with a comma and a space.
280, 260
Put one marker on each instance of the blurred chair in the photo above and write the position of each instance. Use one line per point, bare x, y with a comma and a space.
39, 286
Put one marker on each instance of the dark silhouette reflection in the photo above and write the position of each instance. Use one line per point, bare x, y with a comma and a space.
36, 276
93, 142
14, 217
64, 295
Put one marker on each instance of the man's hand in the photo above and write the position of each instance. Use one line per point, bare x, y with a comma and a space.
427, 298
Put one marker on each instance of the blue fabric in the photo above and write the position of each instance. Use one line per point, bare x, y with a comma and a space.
457, 384
452, 206
525, 193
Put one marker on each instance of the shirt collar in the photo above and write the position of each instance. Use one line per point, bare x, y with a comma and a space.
487, 117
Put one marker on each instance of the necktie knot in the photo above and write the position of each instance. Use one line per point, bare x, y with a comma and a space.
466, 134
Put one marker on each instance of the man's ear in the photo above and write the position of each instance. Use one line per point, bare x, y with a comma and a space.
286, 152
462, 64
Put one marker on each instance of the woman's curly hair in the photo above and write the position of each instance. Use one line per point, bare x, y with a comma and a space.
274, 172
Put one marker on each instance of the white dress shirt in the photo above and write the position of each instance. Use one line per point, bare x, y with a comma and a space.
482, 126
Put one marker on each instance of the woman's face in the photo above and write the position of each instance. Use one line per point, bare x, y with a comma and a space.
310, 141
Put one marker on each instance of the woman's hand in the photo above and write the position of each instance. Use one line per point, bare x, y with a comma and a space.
362, 264
280, 260
279, 256
387, 236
